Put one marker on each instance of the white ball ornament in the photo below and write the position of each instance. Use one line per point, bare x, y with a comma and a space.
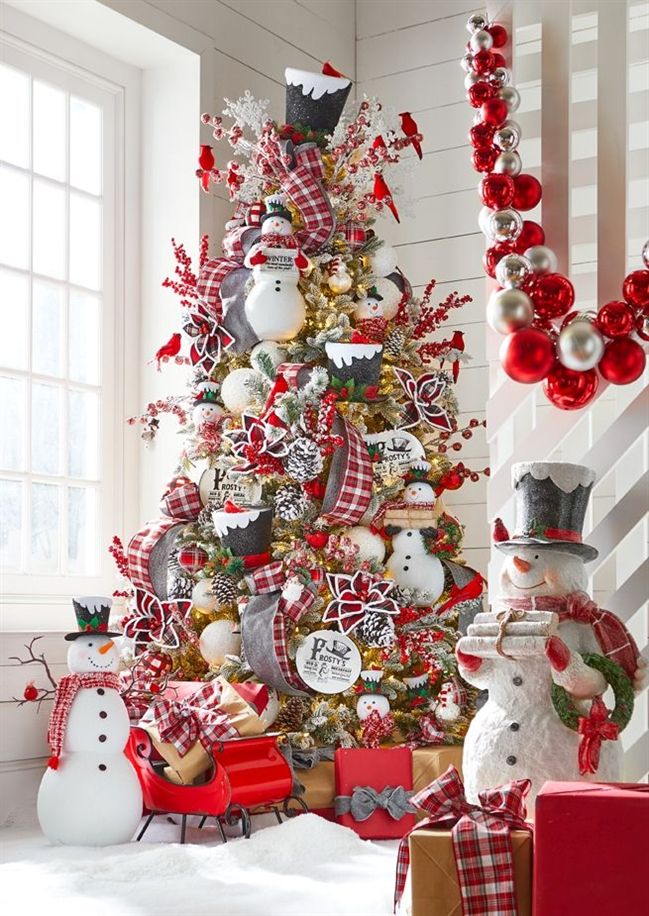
202, 597
580, 345
390, 295
270, 348
509, 163
218, 639
505, 225
340, 281
234, 393
383, 261
370, 546
542, 259
512, 270
509, 310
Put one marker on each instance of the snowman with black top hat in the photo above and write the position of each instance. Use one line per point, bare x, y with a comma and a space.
546, 653
90, 794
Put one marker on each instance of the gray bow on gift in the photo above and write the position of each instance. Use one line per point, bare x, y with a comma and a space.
364, 801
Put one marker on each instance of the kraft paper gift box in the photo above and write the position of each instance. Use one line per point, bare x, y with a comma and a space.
435, 890
591, 849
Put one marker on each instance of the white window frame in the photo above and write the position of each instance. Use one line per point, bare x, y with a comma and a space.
54, 57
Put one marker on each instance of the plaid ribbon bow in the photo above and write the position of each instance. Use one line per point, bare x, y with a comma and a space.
209, 339
156, 621
481, 841
196, 718
423, 394
354, 597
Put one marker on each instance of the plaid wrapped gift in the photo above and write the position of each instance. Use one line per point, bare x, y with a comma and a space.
481, 840
349, 486
195, 718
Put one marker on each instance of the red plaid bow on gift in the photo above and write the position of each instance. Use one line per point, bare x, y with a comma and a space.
196, 718
156, 621
209, 339
354, 597
423, 393
481, 841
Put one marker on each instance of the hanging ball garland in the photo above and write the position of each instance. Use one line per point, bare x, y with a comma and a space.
570, 390
527, 355
623, 361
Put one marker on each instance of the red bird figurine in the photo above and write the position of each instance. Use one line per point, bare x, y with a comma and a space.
166, 351
499, 532
328, 69
383, 194
410, 129
455, 353
378, 142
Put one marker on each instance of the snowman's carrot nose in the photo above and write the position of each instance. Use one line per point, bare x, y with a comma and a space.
522, 565
107, 646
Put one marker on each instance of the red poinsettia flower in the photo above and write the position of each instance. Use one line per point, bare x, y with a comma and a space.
423, 393
156, 621
354, 597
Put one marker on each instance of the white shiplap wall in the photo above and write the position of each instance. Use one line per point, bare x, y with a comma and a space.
407, 54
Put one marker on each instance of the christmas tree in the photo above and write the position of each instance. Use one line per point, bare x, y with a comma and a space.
304, 554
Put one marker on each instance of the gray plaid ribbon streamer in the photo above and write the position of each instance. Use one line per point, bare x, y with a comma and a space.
365, 800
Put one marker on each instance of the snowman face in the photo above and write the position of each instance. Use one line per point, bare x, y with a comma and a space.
368, 308
276, 225
93, 653
372, 702
533, 571
419, 492
207, 413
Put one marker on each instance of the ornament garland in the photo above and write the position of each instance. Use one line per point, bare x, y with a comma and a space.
545, 339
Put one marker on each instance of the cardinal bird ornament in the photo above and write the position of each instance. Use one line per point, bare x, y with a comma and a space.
167, 351
382, 194
206, 161
455, 353
410, 129
328, 69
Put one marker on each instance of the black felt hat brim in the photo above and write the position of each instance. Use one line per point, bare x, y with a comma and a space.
72, 636
585, 551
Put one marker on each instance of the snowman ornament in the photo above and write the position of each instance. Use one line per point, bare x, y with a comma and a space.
411, 564
275, 308
207, 411
534, 642
369, 307
90, 794
372, 699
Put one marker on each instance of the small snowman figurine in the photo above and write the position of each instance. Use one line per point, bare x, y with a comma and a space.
207, 411
369, 306
447, 705
372, 699
275, 307
90, 794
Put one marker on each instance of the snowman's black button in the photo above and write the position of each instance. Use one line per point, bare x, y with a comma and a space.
517, 681
514, 726
406, 568
409, 534
102, 738
408, 557
511, 760
102, 767
101, 691
103, 714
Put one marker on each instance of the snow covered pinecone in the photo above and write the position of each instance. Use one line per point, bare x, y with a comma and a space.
303, 460
290, 502
179, 587
376, 630
224, 588
292, 714
394, 343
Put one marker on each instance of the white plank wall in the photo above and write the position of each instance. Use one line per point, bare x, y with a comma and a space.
407, 54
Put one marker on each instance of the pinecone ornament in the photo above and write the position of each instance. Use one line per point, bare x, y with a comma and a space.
394, 343
225, 589
180, 584
290, 502
303, 461
292, 714
376, 631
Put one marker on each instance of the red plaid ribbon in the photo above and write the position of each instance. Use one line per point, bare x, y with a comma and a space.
352, 466
183, 503
481, 841
290, 373
196, 718
272, 578
354, 234
209, 282
303, 184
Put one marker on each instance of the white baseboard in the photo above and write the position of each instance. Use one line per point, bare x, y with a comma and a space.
19, 782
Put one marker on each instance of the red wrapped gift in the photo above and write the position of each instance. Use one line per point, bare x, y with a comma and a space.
373, 789
590, 849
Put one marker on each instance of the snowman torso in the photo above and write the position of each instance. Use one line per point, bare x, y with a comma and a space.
275, 308
412, 566
97, 722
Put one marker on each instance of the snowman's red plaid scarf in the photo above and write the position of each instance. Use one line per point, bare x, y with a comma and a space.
481, 841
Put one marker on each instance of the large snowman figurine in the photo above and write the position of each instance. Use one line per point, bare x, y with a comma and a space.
275, 308
531, 653
90, 794
411, 563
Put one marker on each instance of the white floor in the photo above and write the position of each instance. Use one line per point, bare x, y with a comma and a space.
305, 867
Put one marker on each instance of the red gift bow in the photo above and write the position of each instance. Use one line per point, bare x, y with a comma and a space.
423, 393
594, 728
481, 841
196, 718
209, 339
156, 621
354, 597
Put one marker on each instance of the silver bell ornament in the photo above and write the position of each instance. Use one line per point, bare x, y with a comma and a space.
508, 163
510, 96
509, 310
467, 62
481, 41
580, 345
505, 225
500, 77
507, 137
542, 259
476, 22
512, 270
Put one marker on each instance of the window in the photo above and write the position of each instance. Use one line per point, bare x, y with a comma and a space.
61, 311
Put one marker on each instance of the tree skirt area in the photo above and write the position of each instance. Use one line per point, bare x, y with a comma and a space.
306, 866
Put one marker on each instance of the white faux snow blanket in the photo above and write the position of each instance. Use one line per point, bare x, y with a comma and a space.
306, 867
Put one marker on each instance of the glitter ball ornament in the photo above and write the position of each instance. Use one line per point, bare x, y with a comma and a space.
203, 597
383, 261
623, 362
291, 502
570, 390
234, 391
616, 319
272, 350
370, 546
527, 355
303, 460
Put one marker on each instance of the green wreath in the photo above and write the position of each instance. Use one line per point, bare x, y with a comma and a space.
619, 681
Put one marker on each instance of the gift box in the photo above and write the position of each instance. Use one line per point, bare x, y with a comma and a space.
591, 849
435, 889
372, 791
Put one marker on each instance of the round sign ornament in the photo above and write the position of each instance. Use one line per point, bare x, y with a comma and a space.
328, 662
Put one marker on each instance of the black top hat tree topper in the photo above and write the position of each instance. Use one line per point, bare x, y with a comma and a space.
315, 100
551, 498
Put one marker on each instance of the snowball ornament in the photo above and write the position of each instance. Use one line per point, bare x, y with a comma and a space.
371, 546
383, 261
270, 348
203, 597
234, 390
218, 639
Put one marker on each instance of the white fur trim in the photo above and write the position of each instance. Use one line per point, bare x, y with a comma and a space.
315, 84
228, 521
343, 354
564, 475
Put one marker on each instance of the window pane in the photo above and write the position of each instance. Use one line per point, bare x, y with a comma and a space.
83, 434
81, 531
14, 116
85, 145
49, 131
85, 242
46, 429
14, 218
14, 303
47, 346
12, 418
49, 230
84, 356
10, 523
45, 528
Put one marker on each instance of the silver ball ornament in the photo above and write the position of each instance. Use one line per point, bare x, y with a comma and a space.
467, 62
542, 259
471, 79
510, 96
507, 137
481, 41
580, 345
645, 253
476, 22
505, 225
509, 163
484, 221
500, 77
512, 270
509, 310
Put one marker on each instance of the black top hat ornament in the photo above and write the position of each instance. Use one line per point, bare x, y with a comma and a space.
551, 498
276, 206
316, 100
92, 615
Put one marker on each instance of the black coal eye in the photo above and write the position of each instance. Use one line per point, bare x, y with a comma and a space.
536, 556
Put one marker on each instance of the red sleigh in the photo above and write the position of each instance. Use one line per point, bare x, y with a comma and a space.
250, 776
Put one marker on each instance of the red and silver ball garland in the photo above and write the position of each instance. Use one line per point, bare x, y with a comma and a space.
544, 340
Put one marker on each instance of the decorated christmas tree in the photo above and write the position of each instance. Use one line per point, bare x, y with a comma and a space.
304, 559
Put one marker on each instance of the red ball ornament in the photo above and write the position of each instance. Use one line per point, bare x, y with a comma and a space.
642, 326
497, 191
493, 255
636, 288
483, 62
193, 559
499, 60
480, 93
498, 34
481, 135
616, 319
527, 192
527, 355
623, 361
531, 234
494, 110
570, 390
316, 539
484, 159
552, 294
30, 693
